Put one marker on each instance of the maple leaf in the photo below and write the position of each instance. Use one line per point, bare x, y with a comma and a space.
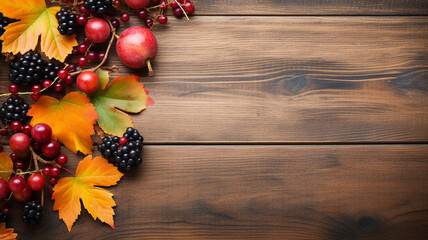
6, 166
36, 20
72, 120
7, 233
99, 202
113, 100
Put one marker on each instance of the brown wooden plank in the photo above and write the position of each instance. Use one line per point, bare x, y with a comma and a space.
287, 79
262, 192
312, 7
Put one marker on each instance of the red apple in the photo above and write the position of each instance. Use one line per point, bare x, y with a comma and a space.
135, 46
137, 4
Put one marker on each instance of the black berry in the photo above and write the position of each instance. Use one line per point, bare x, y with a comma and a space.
32, 213
66, 21
99, 7
13, 109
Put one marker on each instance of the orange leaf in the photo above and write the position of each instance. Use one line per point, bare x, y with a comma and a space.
7, 233
99, 202
6, 166
36, 20
72, 120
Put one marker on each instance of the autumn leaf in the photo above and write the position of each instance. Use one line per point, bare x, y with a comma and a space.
36, 20
6, 233
99, 202
6, 166
72, 120
113, 100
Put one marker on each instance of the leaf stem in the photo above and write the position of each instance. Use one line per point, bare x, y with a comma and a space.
67, 170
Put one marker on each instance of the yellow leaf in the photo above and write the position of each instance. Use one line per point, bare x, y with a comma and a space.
6, 166
36, 20
99, 202
72, 120
7, 233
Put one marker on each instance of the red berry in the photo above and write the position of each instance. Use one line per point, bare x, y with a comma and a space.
115, 23
117, 3
82, 19
75, 52
16, 126
36, 182
82, 48
88, 82
19, 142
46, 171
97, 30
24, 195
87, 41
19, 164
123, 140
62, 74
92, 56
36, 88
13, 88
6, 210
149, 22
82, 61
4, 189
36, 146
178, 12
70, 68
41, 132
51, 149
59, 87
69, 80
35, 96
3, 132
142, 14
50, 189
189, 7
62, 159
174, 4
163, 5
55, 171
53, 180
27, 129
124, 17
16, 184
65, 1
83, 10
13, 157
1, 148
101, 56
162, 19
46, 83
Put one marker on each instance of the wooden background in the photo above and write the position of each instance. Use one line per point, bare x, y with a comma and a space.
277, 120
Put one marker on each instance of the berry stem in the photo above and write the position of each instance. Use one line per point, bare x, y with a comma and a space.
42, 200
40, 159
67, 170
34, 156
149, 66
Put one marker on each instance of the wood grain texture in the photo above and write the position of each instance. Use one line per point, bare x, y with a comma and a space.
262, 192
287, 79
312, 7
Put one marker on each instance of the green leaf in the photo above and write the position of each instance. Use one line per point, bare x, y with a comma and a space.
113, 100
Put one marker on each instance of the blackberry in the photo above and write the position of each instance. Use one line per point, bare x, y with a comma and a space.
31, 69
32, 212
14, 109
4, 21
99, 7
66, 21
3, 217
124, 152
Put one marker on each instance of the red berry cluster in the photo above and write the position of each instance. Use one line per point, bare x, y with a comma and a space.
32, 144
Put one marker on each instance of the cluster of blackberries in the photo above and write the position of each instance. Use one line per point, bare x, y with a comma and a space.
99, 7
124, 152
32, 213
66, 21
13, 109
31, 69
4, 21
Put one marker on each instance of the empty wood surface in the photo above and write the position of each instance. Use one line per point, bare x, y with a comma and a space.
286, 79
261, 192
322, 105
311, 7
